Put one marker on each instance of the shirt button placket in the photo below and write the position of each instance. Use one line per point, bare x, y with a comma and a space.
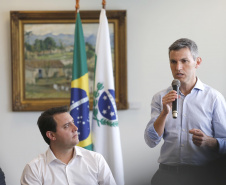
183, 129
66, 172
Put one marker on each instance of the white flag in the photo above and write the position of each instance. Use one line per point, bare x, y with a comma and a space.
106, 136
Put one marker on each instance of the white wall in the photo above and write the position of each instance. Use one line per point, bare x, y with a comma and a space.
151, 27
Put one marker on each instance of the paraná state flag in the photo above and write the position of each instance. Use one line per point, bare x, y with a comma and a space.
105, 130
79, 105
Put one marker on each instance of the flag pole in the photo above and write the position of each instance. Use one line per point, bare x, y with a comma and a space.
103, 4
77, 6
79, 105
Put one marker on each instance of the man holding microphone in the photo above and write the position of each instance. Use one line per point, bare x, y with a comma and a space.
195, 134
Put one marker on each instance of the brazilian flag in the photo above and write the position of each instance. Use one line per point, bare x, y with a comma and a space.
79, 106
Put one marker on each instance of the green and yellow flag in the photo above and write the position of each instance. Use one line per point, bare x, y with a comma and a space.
79, 108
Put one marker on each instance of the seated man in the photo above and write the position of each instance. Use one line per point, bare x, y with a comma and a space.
63, 162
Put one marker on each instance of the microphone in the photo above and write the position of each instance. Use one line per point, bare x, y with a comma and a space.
176, 86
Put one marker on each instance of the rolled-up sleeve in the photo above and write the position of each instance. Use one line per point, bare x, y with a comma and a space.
151, 137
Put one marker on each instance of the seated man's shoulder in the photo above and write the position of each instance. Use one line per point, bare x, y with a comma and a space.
2, 177
88, 153
40, 159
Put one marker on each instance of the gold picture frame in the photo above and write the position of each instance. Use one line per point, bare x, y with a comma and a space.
29, 92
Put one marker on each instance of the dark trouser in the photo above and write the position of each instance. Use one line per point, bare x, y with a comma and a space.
184, 175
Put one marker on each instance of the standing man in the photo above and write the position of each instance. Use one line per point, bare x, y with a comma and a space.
198, 135
64, 163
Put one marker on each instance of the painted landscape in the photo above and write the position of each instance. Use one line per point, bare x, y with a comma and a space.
48, 57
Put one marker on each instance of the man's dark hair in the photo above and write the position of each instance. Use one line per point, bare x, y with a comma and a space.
185, 43
46, 121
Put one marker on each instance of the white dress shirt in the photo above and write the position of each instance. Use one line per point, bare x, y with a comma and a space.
85, 168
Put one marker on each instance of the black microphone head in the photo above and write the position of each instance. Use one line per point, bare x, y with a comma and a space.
176, 86
176, 82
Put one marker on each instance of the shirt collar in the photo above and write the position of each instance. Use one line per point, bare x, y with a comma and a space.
51, 157
199, 85
77, 151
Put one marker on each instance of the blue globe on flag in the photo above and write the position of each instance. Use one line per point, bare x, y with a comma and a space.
107, 106
80, 111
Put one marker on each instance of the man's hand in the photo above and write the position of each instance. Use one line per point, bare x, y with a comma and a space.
200, 139
167, 101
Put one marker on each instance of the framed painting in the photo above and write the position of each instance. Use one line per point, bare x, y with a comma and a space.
42, 55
